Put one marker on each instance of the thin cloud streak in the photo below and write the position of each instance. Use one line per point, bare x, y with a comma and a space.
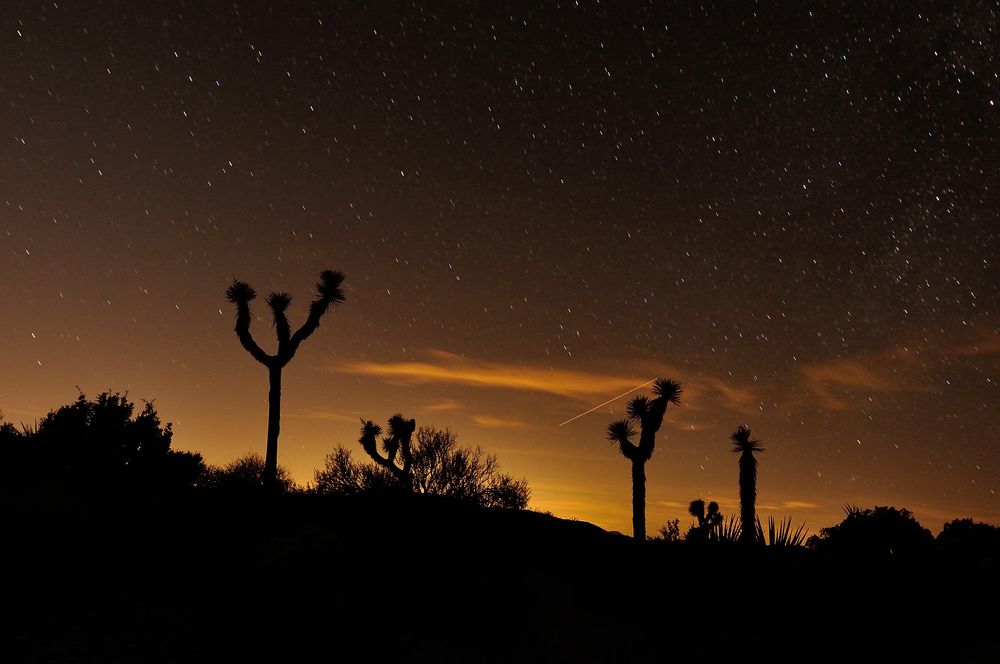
497, 423
323, 415
453, 369
612, 399
704, 395
443, 406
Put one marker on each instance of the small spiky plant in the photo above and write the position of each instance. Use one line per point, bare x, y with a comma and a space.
328, 292
745, 446
729, 530
648, 414
780, 533
397, 442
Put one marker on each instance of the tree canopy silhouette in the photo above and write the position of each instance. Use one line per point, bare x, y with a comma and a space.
101, 444
328, 292
648, 413
439, 467
877, 533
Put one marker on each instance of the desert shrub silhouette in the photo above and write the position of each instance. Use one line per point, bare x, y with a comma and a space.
879, 533
100, 444
969, 539
439, 467
244, 475
670, 531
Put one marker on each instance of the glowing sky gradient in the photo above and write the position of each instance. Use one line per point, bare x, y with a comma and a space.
790, 208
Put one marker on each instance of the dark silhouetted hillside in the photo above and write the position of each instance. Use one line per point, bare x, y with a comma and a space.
196, 577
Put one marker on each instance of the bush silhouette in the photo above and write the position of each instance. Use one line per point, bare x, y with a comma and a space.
648, 413
328, 292
964, 537
101, 444
879, 533
671, 531
245, 474
439, 467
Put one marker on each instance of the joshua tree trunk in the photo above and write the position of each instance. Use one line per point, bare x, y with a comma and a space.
273, 428
328, 292
639, 500
746, 446
748, 498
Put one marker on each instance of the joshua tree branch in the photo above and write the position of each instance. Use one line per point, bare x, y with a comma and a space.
316, 311
246, 339
400, 431
629, 450
328, 292
278, 303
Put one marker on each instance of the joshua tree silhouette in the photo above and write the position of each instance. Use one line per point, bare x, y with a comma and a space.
398, 441
648, 413
746, 446
328, 292
708, 522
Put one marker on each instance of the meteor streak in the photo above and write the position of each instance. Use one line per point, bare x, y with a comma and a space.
607, 402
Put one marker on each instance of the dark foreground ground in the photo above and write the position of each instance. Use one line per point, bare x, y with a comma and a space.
307, 578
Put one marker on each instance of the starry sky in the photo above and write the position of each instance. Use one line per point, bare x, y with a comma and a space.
792, 208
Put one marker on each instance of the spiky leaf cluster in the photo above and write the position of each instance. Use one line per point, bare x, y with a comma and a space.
278, 302
668, 389
742, 442
240, 292
328, 288
621, 432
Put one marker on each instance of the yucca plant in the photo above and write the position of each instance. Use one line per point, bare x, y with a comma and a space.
648, 414
746, 446
730, 531
397, 442
328, 292
780, 533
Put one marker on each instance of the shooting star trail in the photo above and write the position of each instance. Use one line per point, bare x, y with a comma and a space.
600, 405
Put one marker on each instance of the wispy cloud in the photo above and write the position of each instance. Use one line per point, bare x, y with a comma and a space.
904, 368
986, 344
673, 504
448, 368
704, 395
325, 415
443, 406
702, 392
798, 505
829, 380
497, 423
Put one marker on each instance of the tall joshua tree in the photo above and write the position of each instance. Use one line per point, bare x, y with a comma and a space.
328, 292
397, 442
746, 446
648, 413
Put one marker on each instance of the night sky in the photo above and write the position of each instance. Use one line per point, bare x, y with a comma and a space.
792, 208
